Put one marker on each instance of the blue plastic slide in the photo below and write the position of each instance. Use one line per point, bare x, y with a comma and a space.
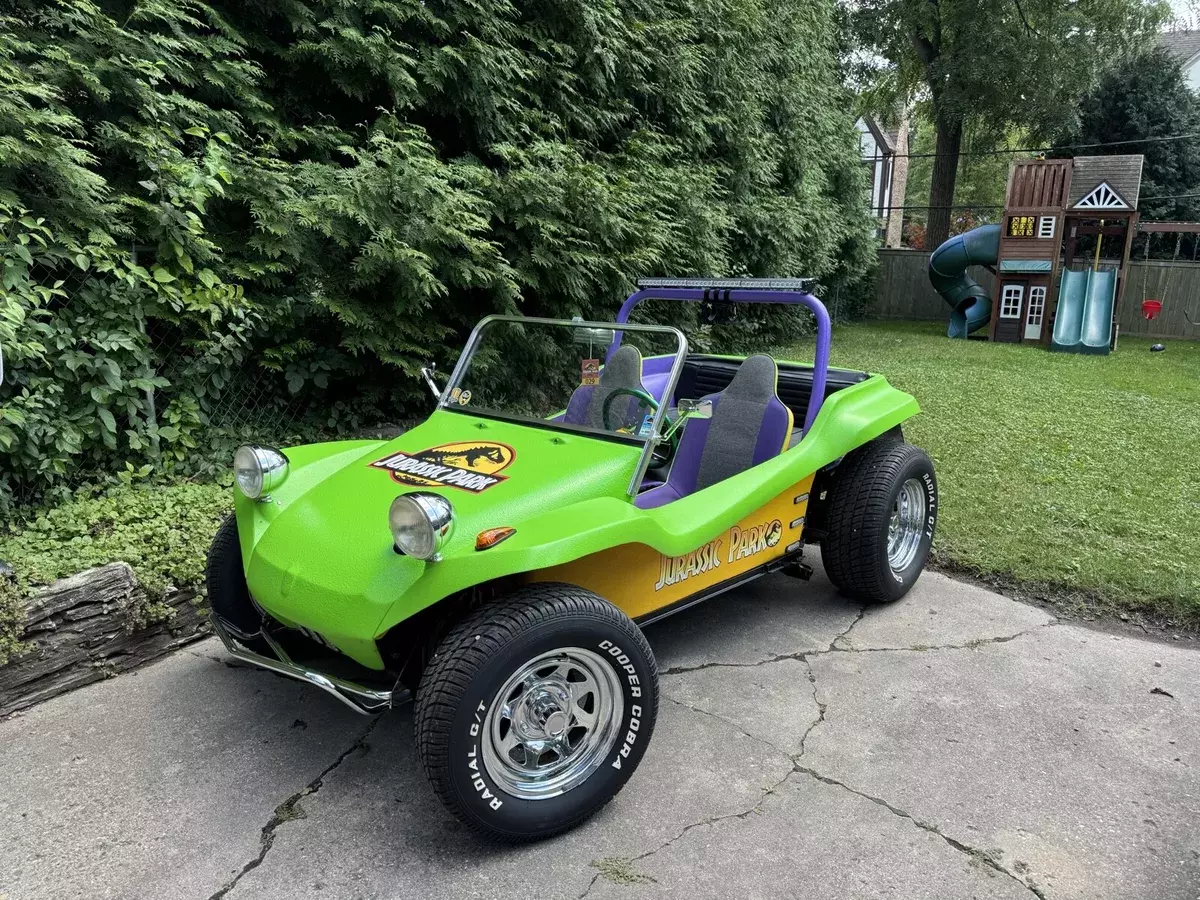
1083, 323
970, 302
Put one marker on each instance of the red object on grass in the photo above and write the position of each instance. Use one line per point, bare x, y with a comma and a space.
1151, 308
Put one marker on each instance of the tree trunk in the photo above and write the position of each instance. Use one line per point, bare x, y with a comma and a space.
941, 186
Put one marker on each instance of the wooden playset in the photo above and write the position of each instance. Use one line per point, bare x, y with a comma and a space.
1060, 254
1044, 292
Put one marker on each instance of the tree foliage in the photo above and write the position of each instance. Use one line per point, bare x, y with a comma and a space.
1146, 97
1012, 64
982, 170
334, 190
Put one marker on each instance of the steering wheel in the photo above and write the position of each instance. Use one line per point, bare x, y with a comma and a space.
643, 398
664, 450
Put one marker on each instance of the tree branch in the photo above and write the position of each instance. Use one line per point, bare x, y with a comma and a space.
928, 49
1029, 29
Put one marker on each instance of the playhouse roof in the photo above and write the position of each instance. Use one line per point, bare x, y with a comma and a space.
1123, 174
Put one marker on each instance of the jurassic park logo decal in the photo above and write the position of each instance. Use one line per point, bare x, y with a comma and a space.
743, 543
469, 466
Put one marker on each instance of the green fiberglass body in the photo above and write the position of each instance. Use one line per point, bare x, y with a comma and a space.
494, 560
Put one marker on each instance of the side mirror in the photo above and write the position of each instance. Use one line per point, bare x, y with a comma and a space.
695, 409
427, 372
689, 409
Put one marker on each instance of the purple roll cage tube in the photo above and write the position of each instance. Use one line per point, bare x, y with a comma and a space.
789, 291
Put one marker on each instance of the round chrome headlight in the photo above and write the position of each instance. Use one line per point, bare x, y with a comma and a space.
421, 524
258, 470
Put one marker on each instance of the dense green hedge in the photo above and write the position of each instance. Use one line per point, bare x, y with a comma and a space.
331, 192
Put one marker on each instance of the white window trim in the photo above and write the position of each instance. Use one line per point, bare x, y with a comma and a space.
1037, 305
1046, 225
1011, 292
1102, 196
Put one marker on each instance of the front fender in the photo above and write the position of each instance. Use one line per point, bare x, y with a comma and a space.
848, 419
308, 466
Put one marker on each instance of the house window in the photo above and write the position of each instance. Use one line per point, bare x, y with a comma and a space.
1046, 227
1021, 226
1037, 309
1010, 301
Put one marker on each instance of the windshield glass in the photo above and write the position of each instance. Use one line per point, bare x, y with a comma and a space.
553, 373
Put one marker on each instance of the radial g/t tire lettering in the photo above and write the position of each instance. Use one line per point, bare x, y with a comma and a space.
881, 485
532, 669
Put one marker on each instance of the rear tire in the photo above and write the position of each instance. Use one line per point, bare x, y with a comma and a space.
535, 711
881, 515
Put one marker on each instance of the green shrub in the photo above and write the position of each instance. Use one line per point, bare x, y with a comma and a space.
323, 196
83, 385
162, 530
12, 621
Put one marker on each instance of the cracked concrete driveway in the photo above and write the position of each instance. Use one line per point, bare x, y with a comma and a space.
957, 744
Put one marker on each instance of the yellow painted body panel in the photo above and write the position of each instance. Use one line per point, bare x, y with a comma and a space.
639, 580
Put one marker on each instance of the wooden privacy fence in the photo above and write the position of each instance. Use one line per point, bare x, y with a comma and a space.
903, 292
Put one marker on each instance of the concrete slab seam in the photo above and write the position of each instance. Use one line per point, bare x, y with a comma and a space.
287, 810
797, 768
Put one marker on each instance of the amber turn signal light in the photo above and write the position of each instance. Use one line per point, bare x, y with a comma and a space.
492, 536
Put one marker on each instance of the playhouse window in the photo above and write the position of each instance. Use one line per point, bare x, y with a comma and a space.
1046, 227
1037, 306
1010, 301
1021, 226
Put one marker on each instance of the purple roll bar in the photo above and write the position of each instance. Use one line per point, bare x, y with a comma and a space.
796, 296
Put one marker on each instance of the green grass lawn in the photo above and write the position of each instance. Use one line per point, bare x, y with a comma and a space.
1077, 471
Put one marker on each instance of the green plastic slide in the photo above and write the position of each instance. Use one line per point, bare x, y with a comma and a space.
1085, 305
970, 302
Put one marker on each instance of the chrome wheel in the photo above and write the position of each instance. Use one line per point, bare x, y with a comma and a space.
907, 525
552, 724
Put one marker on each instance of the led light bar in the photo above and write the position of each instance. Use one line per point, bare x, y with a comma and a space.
728, 284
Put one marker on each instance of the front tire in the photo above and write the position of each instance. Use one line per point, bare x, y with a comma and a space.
228, 595
535, 711
882, 513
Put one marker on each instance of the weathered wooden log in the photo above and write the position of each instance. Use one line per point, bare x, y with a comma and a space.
85, 628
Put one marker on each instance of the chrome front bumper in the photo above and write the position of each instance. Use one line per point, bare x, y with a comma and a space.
367, 701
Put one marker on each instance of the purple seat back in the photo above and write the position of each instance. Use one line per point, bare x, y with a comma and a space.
749, 425
623, 370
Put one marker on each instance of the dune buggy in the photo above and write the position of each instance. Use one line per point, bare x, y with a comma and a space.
496, 561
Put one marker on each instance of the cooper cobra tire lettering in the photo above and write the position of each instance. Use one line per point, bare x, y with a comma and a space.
635, 722
635, 690
458, 691
623, 662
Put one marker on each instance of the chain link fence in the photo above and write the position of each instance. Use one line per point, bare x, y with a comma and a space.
172, 395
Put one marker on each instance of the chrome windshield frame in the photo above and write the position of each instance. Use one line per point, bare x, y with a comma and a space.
655, 437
